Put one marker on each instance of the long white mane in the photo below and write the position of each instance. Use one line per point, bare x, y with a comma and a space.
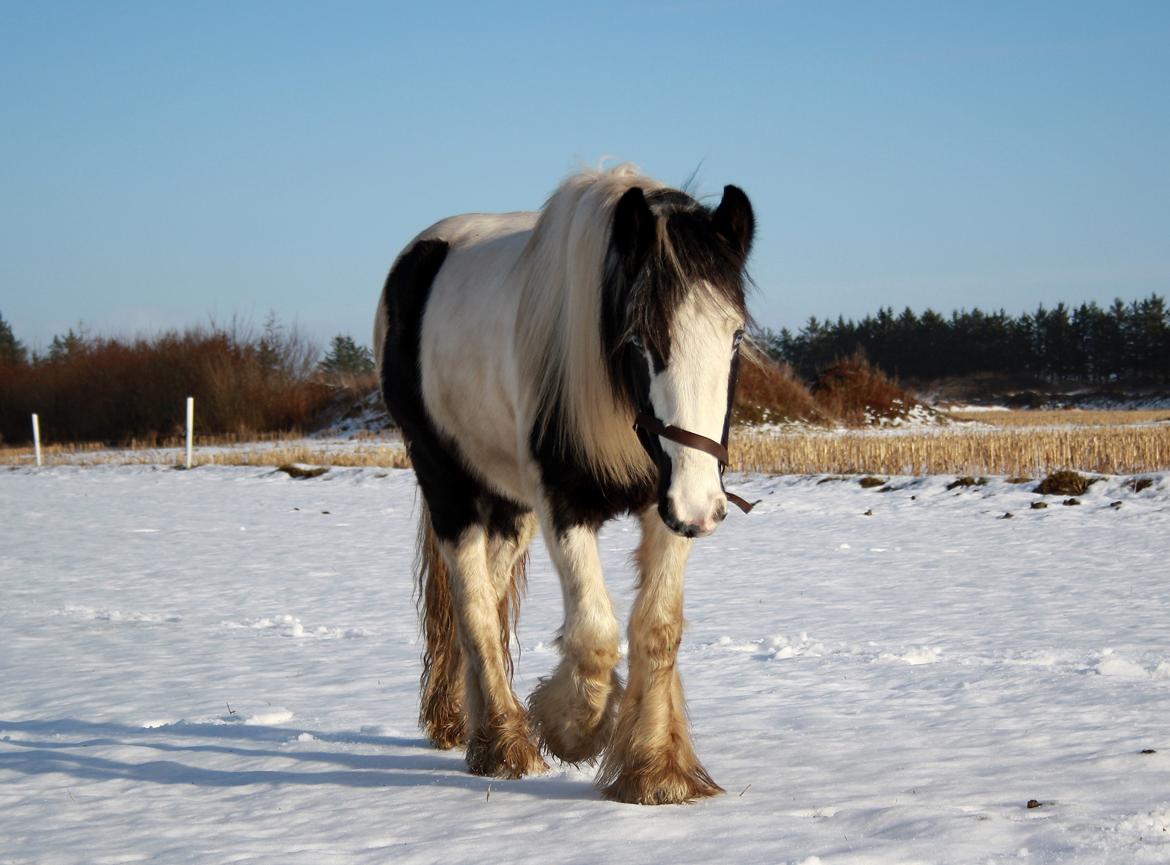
559, 341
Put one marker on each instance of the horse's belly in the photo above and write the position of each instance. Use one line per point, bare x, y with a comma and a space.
467, 380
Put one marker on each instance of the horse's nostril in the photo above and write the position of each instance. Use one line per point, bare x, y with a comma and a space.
721, 514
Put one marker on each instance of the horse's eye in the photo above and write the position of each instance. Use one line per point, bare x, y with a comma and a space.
737, 339
635, 341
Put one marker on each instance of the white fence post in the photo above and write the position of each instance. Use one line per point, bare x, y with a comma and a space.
37, 438
190, 427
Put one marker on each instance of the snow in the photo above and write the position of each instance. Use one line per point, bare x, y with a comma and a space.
220, 665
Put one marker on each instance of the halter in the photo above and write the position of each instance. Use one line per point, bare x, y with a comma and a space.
649, 423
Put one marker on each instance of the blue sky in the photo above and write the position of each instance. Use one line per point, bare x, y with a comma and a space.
162, 164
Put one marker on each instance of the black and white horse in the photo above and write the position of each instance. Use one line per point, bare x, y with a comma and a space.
556, 369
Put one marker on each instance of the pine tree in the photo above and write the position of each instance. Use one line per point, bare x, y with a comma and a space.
12, 350
347, 358
69, 345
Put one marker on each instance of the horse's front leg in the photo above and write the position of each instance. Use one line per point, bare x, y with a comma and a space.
498, 742
574, 708
651, 760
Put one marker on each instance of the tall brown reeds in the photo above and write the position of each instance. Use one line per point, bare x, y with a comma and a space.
856, 392
770, 392
115, 390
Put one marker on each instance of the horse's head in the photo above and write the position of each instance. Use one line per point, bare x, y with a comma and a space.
674, 318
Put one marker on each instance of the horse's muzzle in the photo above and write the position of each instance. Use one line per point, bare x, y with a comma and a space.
691, 529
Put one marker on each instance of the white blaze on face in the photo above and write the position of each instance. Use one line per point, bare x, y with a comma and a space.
691, 393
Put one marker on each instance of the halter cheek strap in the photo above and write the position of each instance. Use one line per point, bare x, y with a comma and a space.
686, 438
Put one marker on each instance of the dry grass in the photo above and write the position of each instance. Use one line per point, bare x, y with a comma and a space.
1019, 452
1009, 451
770, 392
1061, 417
856, 392
362, 455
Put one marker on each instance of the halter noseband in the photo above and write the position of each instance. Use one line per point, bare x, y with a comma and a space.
689, 439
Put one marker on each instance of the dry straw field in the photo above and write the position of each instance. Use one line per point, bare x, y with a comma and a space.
1021, 443
1013, 451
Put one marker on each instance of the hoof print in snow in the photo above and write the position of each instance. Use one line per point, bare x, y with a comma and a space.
1033, 803
870, 481
300, 472
1071, 502
1039, 506
1115, 505
868, 513
1007, 515
1148, 751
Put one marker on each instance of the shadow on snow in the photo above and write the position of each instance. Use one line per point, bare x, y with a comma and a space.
426, 768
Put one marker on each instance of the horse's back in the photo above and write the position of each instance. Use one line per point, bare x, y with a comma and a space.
465, 323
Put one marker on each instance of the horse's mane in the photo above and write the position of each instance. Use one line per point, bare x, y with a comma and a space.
561, 348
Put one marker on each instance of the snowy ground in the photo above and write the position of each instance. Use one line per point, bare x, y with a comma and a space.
220, 666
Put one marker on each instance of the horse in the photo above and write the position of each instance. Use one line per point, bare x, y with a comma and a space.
550, 371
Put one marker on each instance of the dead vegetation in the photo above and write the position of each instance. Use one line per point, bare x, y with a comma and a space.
858, 393
967, 481
1065, 483
300, 472
850, 393
770, 392
1020, 454
1060, 417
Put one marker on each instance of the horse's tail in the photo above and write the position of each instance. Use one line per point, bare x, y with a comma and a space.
441, 713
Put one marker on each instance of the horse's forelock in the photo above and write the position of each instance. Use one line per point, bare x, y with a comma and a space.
690, 256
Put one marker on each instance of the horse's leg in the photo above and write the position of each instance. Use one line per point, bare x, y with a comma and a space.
573, 710
651, 760
498, 742
441, 712
510, 529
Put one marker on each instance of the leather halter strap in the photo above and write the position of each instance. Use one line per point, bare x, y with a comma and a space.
683, 437
689, 439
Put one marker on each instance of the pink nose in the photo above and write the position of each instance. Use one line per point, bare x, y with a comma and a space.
712, 521
699, 529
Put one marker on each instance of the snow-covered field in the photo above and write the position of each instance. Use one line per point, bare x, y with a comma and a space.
220, 666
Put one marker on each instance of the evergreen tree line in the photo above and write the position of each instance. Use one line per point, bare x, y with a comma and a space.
1089, 344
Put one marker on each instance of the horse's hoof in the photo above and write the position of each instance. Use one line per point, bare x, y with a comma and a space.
567, 720
446, 738
446, 732
506, 754
668, 785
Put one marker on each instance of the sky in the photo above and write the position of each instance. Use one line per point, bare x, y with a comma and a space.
165, 164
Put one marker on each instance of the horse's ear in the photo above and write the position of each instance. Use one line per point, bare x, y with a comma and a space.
633, 230
734, 220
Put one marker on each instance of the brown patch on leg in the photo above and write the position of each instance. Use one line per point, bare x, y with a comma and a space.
442, 714
502, 748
